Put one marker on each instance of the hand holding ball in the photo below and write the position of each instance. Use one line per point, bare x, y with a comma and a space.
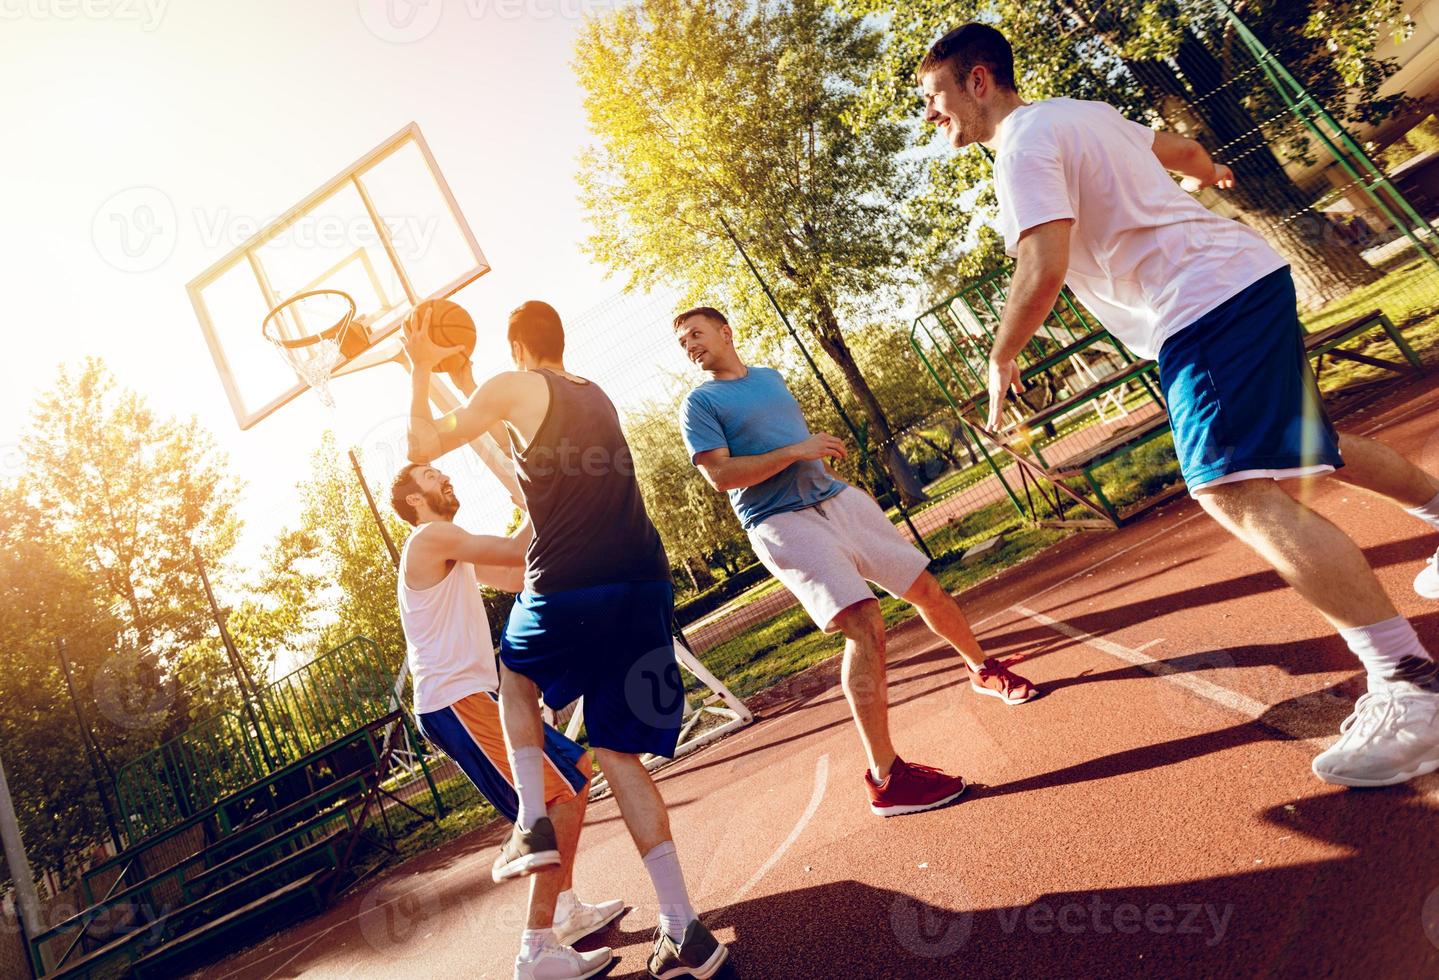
447, 325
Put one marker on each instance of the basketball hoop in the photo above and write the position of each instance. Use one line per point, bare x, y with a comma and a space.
315, 354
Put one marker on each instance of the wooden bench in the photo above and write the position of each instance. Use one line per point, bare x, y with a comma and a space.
1327, 341
1084, 463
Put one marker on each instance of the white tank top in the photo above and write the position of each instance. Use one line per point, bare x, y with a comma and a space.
447, 636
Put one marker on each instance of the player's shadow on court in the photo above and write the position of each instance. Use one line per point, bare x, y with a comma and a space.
1111, 619
1364, 912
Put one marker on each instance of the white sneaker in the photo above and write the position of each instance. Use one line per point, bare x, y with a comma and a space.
585, 919
1426, 583
556, 962
1392, 737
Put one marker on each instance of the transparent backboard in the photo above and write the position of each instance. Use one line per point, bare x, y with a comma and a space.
386, 230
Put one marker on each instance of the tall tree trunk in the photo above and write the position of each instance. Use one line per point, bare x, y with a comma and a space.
1325, 267
831, 340
699, 573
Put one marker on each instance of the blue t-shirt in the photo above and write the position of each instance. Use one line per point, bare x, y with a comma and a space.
751, 416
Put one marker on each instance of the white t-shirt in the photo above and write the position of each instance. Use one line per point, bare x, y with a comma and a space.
447, 636
1145, 257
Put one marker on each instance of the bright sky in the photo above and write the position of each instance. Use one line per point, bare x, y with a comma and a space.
211, 114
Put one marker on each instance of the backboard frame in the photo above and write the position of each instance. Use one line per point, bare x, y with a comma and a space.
247, 416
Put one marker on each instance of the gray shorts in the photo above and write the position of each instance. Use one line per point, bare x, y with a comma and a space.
828, 553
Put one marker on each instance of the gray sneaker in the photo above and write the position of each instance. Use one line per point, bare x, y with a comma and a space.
700, 954
526, 851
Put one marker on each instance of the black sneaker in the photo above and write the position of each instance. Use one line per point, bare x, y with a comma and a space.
526, 851
700, 954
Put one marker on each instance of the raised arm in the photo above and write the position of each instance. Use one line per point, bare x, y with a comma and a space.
1040, 266
726, 472
1191, 161
430, 438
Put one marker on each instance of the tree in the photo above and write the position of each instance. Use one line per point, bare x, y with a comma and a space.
335, 563
129, 494
723, 117
1176, 62
694, 520
44, 597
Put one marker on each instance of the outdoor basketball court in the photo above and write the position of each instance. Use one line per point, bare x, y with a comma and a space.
1153, 812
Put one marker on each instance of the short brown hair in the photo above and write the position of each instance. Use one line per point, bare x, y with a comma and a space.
708, 311
536, 325
973, 44
404, 484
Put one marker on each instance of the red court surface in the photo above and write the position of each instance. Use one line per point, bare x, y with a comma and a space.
1153, 813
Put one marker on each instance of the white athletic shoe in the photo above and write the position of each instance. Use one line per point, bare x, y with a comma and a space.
1426, 583
557, 962
585, 920
1392, 737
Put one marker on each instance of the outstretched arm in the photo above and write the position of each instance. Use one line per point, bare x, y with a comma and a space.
499, 561
1043, 260
726, 472
1191, 161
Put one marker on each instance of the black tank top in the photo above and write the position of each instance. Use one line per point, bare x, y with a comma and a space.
578, 481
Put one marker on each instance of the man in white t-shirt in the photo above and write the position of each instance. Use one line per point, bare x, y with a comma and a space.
452, 664
1086, 199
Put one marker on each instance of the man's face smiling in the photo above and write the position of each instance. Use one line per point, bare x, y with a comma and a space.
703, 340
439, 494
951, 109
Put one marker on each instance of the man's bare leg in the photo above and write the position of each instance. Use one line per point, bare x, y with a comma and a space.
545, 886
1373, 466
941, 613
1311, 554
864, 680
648, 821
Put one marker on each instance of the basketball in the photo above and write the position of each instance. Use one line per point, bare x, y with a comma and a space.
450, 326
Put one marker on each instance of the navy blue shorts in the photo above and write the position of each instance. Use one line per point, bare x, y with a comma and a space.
469, 732
613, 645
1242, 398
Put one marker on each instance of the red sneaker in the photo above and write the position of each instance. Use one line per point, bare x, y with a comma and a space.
995, 679
911, 789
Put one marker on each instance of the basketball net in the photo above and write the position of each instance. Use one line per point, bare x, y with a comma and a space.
315, 332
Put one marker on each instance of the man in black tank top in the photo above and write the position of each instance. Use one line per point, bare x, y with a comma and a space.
596, 617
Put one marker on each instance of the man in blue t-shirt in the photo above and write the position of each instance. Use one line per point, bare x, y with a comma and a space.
826, 541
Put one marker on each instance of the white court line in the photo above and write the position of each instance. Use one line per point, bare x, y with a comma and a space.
821, 780
1413, 410
297, 953
1123, 551
1233, 700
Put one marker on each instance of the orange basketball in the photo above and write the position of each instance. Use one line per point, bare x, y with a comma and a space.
450, 326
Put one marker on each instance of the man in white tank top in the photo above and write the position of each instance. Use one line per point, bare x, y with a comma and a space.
1086, 199
452, 663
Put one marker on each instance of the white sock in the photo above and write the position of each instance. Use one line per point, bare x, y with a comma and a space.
1392, 654
565, 903
527, 766
534, 940
1429, 513
676, 912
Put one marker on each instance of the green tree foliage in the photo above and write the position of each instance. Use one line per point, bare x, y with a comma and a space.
723, 113
695, 520
333, 574
96, 537
1164, 61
